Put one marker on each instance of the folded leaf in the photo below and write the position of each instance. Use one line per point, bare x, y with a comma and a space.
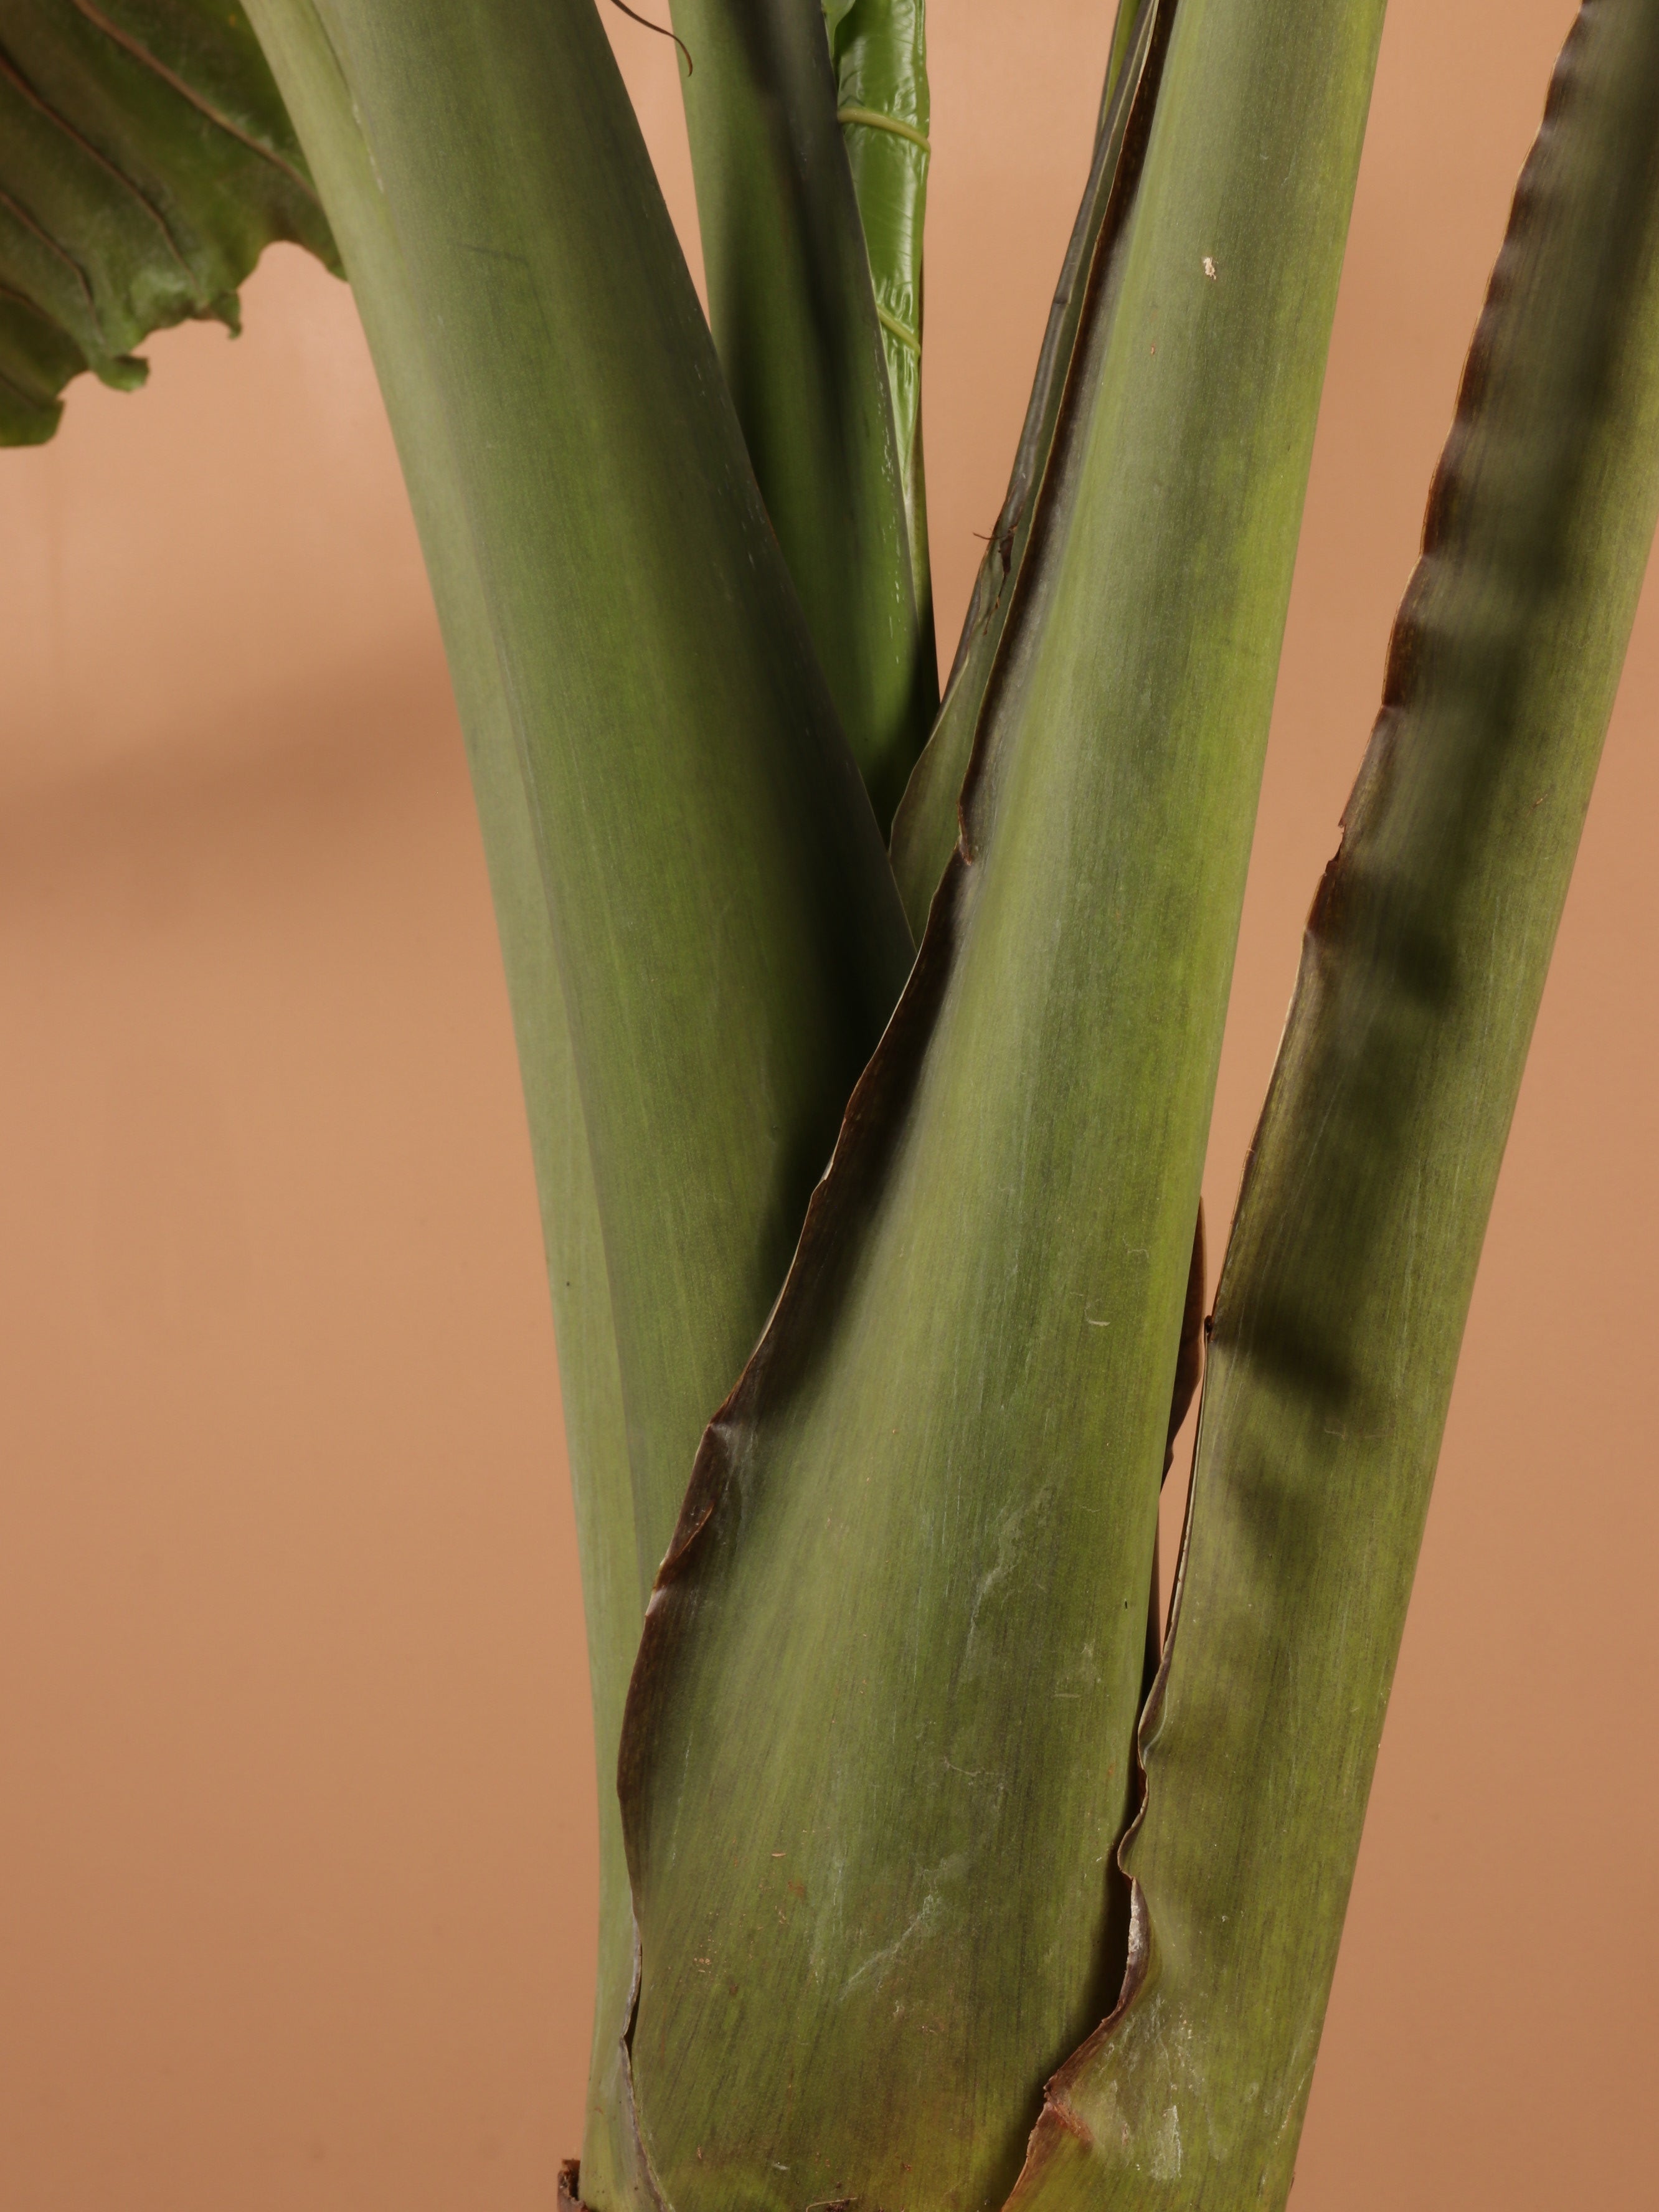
145, 163
878, 1745
1348, 1277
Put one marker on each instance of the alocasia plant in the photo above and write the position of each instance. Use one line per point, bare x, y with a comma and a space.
869, 1039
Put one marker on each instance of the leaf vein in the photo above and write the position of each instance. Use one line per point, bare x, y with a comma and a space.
9, 70
53, 245
198, 101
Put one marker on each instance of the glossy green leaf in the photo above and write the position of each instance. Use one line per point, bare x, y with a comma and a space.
880, 49
145, 163
1343, 1299
794, 317
926, 827
879, 1746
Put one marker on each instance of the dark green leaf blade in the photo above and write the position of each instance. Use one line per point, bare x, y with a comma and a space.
728, 936
879, 1743
1351, 1267
145, 163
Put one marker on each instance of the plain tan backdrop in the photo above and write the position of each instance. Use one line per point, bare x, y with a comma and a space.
297, 1855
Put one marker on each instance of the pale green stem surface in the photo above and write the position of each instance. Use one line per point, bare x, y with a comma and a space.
725, 921
879, 1746
1348, 1278
794, 317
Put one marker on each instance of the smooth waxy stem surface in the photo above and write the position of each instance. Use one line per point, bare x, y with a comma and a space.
590, 1385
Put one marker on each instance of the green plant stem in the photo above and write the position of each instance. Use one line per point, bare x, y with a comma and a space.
726, 929
682, 853
1348, 1277
794, 316
880, 49
590, 1386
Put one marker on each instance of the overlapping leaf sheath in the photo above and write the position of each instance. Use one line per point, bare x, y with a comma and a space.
1345, 1291
1128, 23
880, 49
879, 1746
794, 317
682, 853
590, 1385
145, 163
926, 827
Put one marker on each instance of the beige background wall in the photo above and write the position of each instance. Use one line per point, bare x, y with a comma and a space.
296, 1824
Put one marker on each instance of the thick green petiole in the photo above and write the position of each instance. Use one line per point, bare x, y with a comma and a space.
794, 314
1342, 1300
880, 49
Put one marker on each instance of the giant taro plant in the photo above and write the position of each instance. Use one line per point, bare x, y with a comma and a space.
869, 1039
